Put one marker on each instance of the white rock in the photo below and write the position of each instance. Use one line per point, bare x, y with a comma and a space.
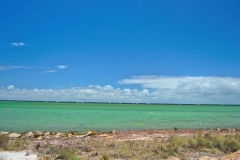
40, 138
3, 133
38, 133
47, 133
29, 134
14, 135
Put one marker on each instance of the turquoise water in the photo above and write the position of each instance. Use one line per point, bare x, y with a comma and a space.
44, 116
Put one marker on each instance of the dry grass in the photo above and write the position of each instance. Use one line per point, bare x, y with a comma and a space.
106, 149
12, 145
68, 154
3, 142
180, 147
164, 148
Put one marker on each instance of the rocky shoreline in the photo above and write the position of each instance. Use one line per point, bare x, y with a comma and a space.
38, 135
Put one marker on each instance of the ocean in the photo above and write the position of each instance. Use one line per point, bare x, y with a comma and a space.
80, 117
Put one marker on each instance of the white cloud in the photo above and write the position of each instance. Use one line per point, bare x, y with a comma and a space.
17, 44
190, 89
91, 94
157, 89
10, 87
61, 66
50, 71
4, 68
56, 69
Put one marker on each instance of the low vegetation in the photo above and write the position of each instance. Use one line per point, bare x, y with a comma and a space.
68, 154
181, 147
106, 149
12, 145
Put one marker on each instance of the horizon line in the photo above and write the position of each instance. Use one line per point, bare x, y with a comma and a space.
196, 104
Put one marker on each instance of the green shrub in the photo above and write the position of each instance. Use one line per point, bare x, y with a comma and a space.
17, 144
12, 145
3, 142
104, 157
68, 155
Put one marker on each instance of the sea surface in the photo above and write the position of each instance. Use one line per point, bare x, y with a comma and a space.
51, 116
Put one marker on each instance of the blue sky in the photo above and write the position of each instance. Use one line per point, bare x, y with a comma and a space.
106, 42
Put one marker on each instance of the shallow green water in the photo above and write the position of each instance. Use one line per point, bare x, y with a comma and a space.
25, 116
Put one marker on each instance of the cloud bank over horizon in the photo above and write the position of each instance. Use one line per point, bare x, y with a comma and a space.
91, 93
187, 89
155, 89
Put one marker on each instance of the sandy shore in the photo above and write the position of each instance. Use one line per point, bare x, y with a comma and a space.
153, 134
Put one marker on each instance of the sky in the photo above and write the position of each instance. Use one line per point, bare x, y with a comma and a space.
167, 51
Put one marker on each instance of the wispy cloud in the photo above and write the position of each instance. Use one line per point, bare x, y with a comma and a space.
61, 66
55, 69
4, 68
17, 44
50, 71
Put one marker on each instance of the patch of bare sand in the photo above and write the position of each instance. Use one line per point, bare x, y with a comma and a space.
233, 156
152, 134
22, 155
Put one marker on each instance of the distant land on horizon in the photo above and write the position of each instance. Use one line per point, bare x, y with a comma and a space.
125, 103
